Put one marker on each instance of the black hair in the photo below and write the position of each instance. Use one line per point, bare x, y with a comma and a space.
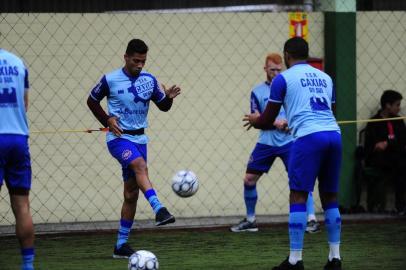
136, 46
390, 96
297, 48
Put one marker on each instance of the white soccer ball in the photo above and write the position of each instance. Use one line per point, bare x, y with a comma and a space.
185, 183
143, 260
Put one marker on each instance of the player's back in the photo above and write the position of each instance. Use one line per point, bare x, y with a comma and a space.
308, 100
259, 99
13, 84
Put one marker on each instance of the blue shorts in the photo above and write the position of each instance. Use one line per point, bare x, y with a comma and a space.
15, 161
317, 155
263, 156
125, 152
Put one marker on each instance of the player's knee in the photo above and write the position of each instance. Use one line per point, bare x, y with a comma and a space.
328, 198
250, 179
296, 197
139, 166
20, 205
249, 182
131, 196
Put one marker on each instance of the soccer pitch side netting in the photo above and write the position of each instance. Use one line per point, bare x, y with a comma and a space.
216, 57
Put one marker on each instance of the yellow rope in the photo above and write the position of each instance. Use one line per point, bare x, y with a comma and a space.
343, 122
370, 120
68, 131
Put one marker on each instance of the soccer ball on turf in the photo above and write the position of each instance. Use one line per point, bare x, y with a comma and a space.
143, 260
185, 183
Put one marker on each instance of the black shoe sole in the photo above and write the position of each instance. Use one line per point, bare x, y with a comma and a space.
244, 230
313, 232
170, 219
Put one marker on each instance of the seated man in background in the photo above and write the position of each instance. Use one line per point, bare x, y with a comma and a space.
385, 146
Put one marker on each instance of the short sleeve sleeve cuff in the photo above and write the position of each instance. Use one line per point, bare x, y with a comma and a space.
26, 81
158, 94
278, 89
254, 103
101, 90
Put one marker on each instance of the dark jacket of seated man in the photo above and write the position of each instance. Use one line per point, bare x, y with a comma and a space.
385, 143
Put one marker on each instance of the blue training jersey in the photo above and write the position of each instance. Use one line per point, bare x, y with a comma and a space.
259, 99
128, 99
307, 95
13, 84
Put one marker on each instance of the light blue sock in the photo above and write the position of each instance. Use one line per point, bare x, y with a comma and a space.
310, 204
123, 232
297, 226
250, 198
153, 200
332, 220
28, 258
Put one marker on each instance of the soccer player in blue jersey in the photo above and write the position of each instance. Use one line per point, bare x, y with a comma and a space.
307, 96
129, 91
271, 144
15, 162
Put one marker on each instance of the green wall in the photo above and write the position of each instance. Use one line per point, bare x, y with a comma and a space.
340, 63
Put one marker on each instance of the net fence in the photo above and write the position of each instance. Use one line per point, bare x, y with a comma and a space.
216, 58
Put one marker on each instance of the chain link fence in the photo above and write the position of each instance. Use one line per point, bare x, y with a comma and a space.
381, 63
215, 57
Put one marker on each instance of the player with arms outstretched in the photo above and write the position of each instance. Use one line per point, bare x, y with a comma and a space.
129, 91
271, 144
307, 96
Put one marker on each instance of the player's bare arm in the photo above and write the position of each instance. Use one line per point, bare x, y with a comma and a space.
113, 126
26, 100
333, 108
104, 119
264, 120
170, 93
